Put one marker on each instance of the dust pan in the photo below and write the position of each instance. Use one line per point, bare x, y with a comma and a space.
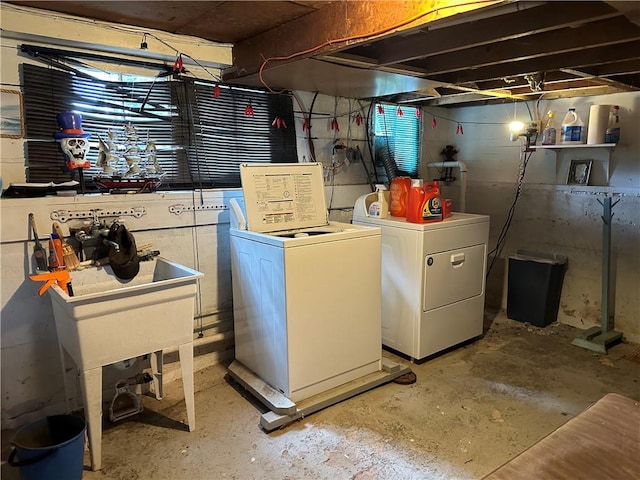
124, 404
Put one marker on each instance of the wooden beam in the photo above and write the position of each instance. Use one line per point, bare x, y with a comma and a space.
578, 59
593, 35
468, 99
601, 80
535, 20
339, 25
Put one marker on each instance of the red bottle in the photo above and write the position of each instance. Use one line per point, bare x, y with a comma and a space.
425, 204
399, 196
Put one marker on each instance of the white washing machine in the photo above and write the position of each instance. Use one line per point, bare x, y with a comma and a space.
306, 291
433, 280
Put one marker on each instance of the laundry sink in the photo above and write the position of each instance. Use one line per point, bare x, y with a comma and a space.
108, 320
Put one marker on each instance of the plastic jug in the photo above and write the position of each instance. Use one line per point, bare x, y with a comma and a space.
572, 128
549, 132
399, 196
612, 135
425, 204
380, 207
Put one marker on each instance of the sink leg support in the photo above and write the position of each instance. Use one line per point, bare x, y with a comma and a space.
91, 384
65, 381
186, 363
156, 371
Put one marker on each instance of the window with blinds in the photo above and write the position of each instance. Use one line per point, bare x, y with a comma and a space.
397, 138
200, 138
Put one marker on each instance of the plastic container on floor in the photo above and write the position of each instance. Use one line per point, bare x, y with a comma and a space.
50, 449
534, 287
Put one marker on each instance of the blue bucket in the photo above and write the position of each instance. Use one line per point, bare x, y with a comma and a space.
50, 449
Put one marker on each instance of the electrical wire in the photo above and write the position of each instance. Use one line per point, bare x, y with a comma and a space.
501, 241
191, 139
312, 150
359, 37
179, 53
99, 23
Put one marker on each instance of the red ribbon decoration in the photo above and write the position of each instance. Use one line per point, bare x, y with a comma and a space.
358, 119
334, 124
248, 111
178, 66
279, 122
433, 123
418, 112
216, 91
399, 112
380, 110
459, 130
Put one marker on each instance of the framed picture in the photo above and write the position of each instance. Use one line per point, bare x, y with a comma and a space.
579, 172
11, 125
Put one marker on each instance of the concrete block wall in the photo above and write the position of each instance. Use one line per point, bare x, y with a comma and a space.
552, 216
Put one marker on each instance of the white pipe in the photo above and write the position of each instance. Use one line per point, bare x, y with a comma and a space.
463, 177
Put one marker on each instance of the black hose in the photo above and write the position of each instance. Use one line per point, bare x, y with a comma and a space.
312, 150
388, 161
373, 162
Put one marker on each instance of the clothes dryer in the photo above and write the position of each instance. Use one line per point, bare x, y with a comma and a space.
433, 280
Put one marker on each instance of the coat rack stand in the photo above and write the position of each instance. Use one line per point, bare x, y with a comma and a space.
600, 338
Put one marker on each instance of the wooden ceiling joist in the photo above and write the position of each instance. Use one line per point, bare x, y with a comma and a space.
534, 20
357, 21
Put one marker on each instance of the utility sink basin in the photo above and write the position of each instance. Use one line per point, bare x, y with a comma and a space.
108, 320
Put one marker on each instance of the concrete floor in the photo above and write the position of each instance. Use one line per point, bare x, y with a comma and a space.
470, 410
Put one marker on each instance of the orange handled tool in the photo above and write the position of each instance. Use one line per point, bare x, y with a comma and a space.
56, 260
62, 277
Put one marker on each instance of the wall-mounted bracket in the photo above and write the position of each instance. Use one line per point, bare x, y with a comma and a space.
97, 213
180, 208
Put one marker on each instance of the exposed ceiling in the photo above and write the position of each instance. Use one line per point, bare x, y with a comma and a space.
436, 52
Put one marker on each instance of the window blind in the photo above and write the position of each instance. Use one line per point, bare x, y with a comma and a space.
398, 137
200, 140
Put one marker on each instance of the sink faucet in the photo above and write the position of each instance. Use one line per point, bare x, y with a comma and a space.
99, 230
111, 243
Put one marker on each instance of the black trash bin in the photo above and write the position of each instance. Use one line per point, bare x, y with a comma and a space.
534, 287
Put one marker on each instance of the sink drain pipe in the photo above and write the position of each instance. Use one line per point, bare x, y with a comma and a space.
463, 178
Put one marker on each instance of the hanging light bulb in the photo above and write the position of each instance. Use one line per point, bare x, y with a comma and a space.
515, 130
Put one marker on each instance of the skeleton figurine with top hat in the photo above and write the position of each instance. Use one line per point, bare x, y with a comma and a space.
73, 140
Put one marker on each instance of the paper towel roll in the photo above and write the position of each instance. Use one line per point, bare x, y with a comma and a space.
598, 122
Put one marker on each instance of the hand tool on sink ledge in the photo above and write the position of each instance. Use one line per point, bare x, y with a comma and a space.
69, 256
39, 251
62, 277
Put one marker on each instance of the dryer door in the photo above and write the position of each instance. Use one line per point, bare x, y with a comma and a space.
453, 276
